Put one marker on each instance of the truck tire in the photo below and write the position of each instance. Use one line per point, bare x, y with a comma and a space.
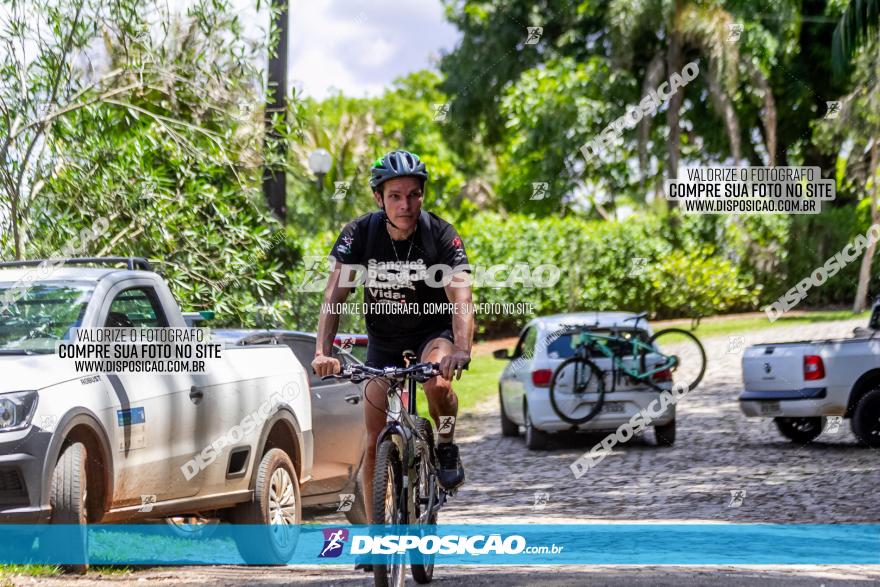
68, 500
664, 434
800, 430
535, 439
508, 426
276, 503
866, 419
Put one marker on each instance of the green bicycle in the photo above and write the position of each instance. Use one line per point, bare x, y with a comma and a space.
670, 357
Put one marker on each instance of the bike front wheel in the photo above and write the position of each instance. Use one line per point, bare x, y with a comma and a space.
681, 357
577, 390
388, 510
426, 496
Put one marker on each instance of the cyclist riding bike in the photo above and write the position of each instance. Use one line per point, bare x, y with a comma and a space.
397, 244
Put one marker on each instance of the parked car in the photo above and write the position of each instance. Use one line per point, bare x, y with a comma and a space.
337, 424
524, 385
90, 447
801, 384
356, 344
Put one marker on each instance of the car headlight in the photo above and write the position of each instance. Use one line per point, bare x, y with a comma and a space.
16, 410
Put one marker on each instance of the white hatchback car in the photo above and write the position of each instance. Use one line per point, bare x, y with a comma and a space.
524, 387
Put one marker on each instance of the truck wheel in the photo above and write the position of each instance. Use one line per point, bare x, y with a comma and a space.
274, 515
68, 500
665, 434
800, 430
508, 426
535, 439
866, 419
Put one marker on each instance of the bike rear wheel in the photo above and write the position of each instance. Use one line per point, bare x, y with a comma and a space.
686, 357
387, 510
425, 498
577, 390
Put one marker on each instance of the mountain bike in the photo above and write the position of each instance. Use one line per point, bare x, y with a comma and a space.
671, 356
406, 490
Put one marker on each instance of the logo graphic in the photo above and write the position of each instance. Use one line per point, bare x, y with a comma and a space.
147, 503
342, 188
534, 34
736, 498
314, 279
47, 423
638, 266
441, 111
734, 31
245, 109
767, 368
735, 344
539, 190
334, 540
833, 424
447, 425
541, 499
833, 109
346, 344
346, 500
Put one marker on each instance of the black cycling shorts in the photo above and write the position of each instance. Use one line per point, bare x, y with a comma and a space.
379, 357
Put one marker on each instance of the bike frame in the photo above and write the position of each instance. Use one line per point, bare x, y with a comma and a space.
401, 424
588, 340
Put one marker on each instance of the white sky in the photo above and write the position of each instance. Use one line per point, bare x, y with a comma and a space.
361, 46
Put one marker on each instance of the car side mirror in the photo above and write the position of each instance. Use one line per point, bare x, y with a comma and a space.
501, 354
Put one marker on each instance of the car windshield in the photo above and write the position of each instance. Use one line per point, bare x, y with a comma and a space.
33, 318
564, 346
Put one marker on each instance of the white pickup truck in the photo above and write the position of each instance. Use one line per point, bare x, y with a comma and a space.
87, 447
801, 384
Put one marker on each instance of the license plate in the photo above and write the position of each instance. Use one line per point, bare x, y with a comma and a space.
613, 408
770, 407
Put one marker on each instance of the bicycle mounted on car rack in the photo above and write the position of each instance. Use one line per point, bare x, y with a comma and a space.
406, 487
587, 378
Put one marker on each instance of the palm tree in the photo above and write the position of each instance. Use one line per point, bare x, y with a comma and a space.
860, 19
673, 27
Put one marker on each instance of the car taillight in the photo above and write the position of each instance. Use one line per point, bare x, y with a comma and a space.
541, 377
662, 376
814, 368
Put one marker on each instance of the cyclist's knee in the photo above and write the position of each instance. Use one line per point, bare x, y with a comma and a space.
439, 386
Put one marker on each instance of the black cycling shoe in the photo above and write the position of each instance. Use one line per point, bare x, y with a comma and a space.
451, 472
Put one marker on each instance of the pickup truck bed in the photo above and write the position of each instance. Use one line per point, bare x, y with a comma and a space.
802, 383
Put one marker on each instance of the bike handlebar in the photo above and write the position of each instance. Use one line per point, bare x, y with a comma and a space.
421, 372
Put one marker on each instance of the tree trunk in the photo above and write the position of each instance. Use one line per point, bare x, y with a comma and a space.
865, 270
674, 60
725, 108
768, 112
653, 76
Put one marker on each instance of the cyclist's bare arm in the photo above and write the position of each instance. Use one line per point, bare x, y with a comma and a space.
461, 296
328, 322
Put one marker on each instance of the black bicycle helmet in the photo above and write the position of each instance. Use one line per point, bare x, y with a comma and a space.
397, 164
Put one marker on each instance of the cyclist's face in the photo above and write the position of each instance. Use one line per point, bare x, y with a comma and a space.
403, 201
